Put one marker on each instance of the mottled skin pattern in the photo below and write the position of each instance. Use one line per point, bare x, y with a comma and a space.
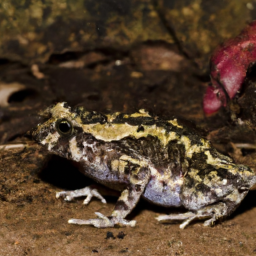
144, 156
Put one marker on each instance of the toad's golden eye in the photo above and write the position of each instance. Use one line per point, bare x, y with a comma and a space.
64, 127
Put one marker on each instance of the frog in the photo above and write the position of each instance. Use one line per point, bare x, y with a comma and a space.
143, 156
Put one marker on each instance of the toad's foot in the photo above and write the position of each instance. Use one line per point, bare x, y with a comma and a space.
175, 217
87, 191
104, 222
213, 213
188, 217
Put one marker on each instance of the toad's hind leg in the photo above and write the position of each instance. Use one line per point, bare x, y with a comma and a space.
211, 212
138, 180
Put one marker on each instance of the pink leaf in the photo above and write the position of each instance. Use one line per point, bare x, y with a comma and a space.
229, 64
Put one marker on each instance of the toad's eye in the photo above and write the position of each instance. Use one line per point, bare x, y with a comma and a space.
64, 127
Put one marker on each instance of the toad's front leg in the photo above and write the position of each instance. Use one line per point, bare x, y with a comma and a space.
89, 192
138, 179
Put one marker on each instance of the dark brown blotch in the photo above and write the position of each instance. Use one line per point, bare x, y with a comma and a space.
199, 161
138, 188
140, 129
121, 205
90, 155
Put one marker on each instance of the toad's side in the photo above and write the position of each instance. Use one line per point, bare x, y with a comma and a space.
143, 156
